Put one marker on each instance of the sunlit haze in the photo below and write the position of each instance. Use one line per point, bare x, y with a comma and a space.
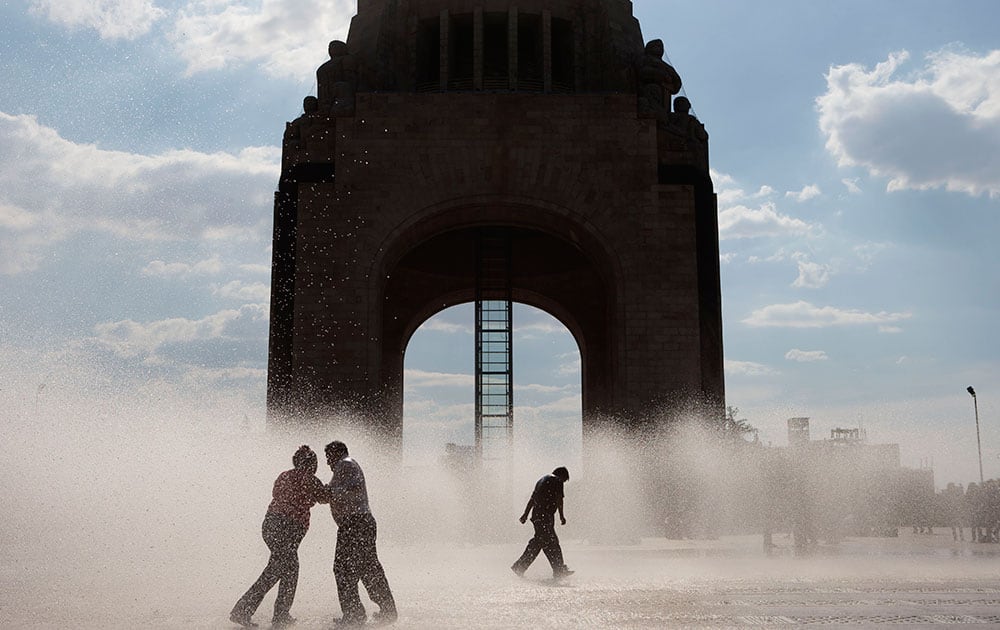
855, 150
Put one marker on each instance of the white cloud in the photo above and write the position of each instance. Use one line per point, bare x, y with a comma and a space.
936, 128
439, 325
569, 364
812, 275
21, 241
852, 185
730, 193
13, 218
539, 329
808, 192
255, 268
746, 368
567, 406
52, 188
867, 252
129, 338
743, 222
535, 388
112, 19
414, 379
722, 180
806, 356
256, 292
805, 315
286, 40
161, 269
779, 256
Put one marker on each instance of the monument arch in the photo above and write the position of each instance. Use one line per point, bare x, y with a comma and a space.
549, 122
431, 266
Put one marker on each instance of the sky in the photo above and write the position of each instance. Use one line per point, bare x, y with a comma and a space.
855, 149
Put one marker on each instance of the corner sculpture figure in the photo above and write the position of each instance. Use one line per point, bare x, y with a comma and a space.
657, 79
546, 499
356, 558
299, 135
683, 123
297, 131
336, 81
688, 132
285, 524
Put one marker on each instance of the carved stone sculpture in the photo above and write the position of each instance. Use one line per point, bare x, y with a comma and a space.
658, 81
682, 123
294, 133
301, 133
679, 130
336, 81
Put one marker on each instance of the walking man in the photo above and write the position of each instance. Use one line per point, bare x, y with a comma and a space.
356, 558
545, 501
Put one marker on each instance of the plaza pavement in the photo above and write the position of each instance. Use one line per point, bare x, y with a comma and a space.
915, 580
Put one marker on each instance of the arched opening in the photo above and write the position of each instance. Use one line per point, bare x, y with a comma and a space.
431, 265
445, 475
438, 390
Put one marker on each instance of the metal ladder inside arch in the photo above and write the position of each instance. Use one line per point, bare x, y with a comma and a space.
494, 338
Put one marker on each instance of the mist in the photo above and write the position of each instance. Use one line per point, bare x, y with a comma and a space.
126, 509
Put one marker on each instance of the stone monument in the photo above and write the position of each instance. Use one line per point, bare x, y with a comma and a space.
549, 119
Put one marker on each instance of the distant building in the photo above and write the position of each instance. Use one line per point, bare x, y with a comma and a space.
798, 431
855, 487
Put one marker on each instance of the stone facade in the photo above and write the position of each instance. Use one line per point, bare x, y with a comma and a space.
441, 117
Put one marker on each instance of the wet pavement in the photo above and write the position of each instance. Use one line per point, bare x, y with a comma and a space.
924, 580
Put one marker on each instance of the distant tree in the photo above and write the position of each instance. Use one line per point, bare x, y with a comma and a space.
735, 426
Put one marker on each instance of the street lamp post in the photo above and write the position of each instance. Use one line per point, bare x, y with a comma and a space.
979, 445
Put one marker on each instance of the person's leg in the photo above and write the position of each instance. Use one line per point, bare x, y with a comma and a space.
372, 572
289, 573
530, 553
546, 533
247, 605
346, 571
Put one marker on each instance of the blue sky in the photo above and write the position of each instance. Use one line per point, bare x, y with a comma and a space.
855, 148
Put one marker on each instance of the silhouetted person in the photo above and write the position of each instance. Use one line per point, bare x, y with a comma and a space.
952, 511
356, 558
991, 509
285, 524
545, 501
